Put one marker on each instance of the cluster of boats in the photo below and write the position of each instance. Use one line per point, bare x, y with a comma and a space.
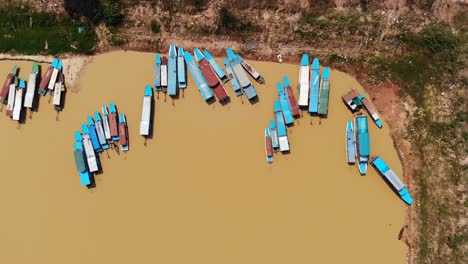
18, 93
95, 137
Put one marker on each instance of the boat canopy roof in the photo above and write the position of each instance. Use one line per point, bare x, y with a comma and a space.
326, 73
148, 90
316, 64
305, 60
90, 121
97, 116
364, 144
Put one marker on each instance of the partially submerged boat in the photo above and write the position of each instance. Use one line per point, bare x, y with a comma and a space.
251, 70
241, 75
350, 143
11, 97
268, 146
274, 135
157, 73
100, 131
198, 77
284, 102
91, 130
210, 76
89, 151
164, 74
113, 122
304, 82
18, 107
292, 99
234, 82
372, 111
324, 92
123, 133
281, 128
80, 160
314, 87
31, 89
215, 66
181, 72
6, 85
172, 71
46, 79
362, 142
57, 66
392, 178
145, 123
105, 123
58, 91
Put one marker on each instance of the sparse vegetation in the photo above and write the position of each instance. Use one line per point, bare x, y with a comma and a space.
229, 23
155, 26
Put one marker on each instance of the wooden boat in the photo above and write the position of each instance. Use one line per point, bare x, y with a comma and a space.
268, 146
274, 135
6, 85
362, 142
80, 160
350, 143
18, 106
234, 82
11, 98
210, 76
46, 79
372, 111
59, 89
93, 135
164, 74
314, 87
241, 75
324, 92
172, 71
251, 70
282, 133
157, 73
292, 99
123, 133
89, 150
181, 72
198, 77
352, 100
31, 89
53, 78
215, 66
113, 122
145, 123
100, 131
304, 82
284, 102
105, 123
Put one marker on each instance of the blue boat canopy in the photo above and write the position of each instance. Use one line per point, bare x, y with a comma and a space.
364, 148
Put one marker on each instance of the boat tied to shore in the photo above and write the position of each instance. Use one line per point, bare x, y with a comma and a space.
292, 99
89, 150
181, 72
215, 66
304, 82
172, 85
197, 76
241, 75
6, 85
100, 130
274, 136
157, 73
113, 123
105, 123
362, 143
91, 131
314, 87
164, 74
251, 70
210, 76
350, 143
232, 77
324, 93
18, 106
355, 101
80, 160
281, 128
11, 97
284, 103
268, 146
145, 124
123, 132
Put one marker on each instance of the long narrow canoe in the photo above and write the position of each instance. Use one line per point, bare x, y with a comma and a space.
215, 66
59, 89
181, 72
314, 87
234, 82
19, 100
324, 92
372, 111
284, 102
362, 142
11, 98
241, 75
164, 74
291, 97
45, 81
80, 160
282, 133
31, 89
392, 178
350, 143
89, 151
100, 131
268, 146
198, 77
251, 70
274, 135
145, 123
210, 76
105, 123
172, 71
6, 85
91, 130
304, 82
123, 131
157, 73
113, 122
53, 78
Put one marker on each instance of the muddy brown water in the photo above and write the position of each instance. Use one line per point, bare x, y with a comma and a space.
200, 191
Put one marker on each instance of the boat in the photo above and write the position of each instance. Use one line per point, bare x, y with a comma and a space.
123, 133
284, 102
215, 66
392, 178
268, 146
53, 78
31, 89
251, 70
145, 123
292, 99
105, 123
181, 72
11, 97
18, 106
240, 74
100, 131
45, 80
282, 132
352, 100
324, 92
362, 142
157, 73
314, 87
350, 143
172, 71
274, 135
198, 77
6, 85
89, 150
304, 82
113, 122
93, 135
234, 82
58, 90
210, 76
80, 160
372, 111
164, 74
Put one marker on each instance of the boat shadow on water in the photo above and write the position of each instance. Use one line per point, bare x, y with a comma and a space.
254, 100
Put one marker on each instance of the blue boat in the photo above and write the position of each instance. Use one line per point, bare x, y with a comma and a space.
123, 132
157, 73
100, 131
198, 77
392, 178
324, 93
282, 132
314, 87
113, 122
285, 107
181, 73
172, 71
350, 143
80, 160
241, 75
234, 82
93, 135
362, 142
215, 66
274, 135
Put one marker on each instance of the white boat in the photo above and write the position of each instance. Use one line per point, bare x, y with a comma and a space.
89, 151
18, 106
53, 78
146, 111
11, 99
164, 73
304, 82
31, 89
105, 123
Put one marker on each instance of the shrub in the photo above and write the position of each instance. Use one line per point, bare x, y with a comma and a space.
155, 26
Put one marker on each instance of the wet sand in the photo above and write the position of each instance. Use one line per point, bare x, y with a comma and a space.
201, 190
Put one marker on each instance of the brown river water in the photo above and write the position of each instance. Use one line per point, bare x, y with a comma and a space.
200, 191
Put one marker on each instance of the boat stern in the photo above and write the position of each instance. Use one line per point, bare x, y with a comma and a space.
316, 64
362, 166
405, 196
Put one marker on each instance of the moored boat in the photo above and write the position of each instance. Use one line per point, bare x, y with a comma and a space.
172, 71
198, 77
392, 178
113, 122
105, 123
324, 92
292, 99
304, 82
55, 69
6, 85
18, 106
268, 146
46, 79
210, 76
274, 135
281, 128
89, 150
350, 143
164, 74
215, 66
123, 132
145, 124
372, 111
100, 131
362, 142
241, 75
352, 100
80, 160
11, 97
181, 72
157, 73
31, 88
251, 70
314, 87
234, 82
284, 102
91, 130
58, 91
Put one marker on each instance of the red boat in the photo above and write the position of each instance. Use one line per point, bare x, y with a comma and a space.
113, 125
6, 88
292, 99
123, 134
45, 81
210, 76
